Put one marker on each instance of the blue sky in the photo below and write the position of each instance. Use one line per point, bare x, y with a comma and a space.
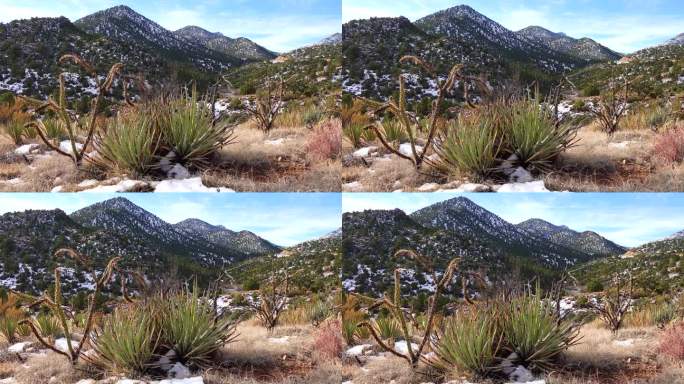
282, 218
622, 25
279, 25
629, 219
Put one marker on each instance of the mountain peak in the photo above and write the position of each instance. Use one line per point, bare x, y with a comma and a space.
677, 40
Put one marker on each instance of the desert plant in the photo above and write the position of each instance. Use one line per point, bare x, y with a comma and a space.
393, 131
75, 150
394, 306
191, 130
408, 121
317, 312
468, 343
470, 145
49, 326
532, 331
54, 129
535, 136
312, 116
191, 329
265, 106
668, 147
129, 145
126, 342
16, 131
613, 307
55, 305
10, 315
325, 142
387, 328
327, 341
271, 303
611, 107
671, 342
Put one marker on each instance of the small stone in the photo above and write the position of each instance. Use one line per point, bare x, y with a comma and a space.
179, 371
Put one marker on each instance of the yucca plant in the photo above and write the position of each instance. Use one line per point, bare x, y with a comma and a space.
190, 129
386, 328
49, 326
126, 342
393, 131
54, 129
16, 131
190, 328
318, 311
468, 344
129, 145
8, 327
533, 332
536, 137
471, 145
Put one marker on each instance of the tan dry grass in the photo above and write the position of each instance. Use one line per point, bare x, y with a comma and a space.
48, 368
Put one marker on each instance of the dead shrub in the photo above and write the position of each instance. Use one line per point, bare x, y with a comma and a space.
328, 343
668, 147
672, 342
325, 142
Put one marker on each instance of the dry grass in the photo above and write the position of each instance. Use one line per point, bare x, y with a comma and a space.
48, 369
383, 370
385, 175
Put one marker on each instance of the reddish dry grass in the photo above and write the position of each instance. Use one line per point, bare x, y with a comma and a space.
668, 147
672, 342
328, 343
326, 140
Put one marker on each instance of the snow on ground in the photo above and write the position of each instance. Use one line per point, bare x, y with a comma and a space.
279, 340
274, 142
65, 146
402, 347
357, 350
18, 347
122, 186
26, 149
193, 184
62, 345
532, 186
405, 149
365, 151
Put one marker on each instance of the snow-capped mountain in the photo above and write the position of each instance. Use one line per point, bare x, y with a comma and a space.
117, 227
240, 47
122, 23
455, 227
677, 40
588, 241
585, 47
456, 35
244, 241
335, 38
677, 235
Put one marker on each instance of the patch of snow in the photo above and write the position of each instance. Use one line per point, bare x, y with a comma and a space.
88, 183
122, 186
624, 343
178, 172
520, 175
620, 145
61, 344
179, 371
65, 146
532, 186
189, 380
18, 347
357, 350
193, 184
26, 149
428, 187
86, 381
364, 152
468, 187
57, 189
274, 142
402, 347
405, 149
279, 340
521, 375
352, 187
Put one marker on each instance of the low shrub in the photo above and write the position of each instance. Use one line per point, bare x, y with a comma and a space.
190, 328
668, 148
189, 129
328, 343
126, 343
672, 342
470, 146
468, 344
534, 334
325, 142
129, 145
